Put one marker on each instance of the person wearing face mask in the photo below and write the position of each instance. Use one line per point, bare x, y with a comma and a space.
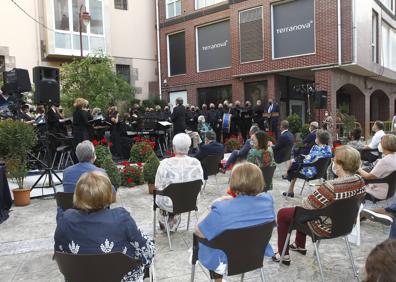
370, 152
258, 111
273, 111
327, 122
382, 168
347, 185
246, 120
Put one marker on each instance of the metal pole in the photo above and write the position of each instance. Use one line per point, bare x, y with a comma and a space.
80, 29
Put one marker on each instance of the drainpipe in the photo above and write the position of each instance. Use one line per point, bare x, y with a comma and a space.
158, 49
339, 32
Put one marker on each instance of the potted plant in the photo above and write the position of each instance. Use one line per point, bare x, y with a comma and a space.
232, 143
131, 174
150, 170
16, 140
141, 150
295, 123
104, 160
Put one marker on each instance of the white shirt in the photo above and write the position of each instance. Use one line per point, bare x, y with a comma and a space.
176, 170
376, 139
270, 108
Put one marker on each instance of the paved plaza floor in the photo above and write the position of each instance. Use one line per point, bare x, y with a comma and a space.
26, 241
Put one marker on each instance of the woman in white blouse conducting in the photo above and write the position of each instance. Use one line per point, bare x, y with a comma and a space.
178, 169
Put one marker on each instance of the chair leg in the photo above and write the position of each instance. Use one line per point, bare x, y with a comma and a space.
188, 220
262, 274
302, 189
355, 271
318, 259
167, 231
154, 221
192, 272
284, 247
242, 276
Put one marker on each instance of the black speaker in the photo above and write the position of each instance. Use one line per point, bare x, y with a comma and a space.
46, 81
16, 81
320, 99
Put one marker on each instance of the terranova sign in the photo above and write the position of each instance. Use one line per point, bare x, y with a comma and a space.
293, 28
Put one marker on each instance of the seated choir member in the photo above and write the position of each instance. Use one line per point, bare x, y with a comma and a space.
318, 151
93, 228
347, 185
241, 154
380, 263
382, 168
249, 207
86, 156
261, 154
178, 169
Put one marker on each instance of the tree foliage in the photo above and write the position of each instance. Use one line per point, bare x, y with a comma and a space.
93, 79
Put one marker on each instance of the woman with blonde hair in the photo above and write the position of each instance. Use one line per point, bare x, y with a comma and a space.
93, 228
248, 206
81, 126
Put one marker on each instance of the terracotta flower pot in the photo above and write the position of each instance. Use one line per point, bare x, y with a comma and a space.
21, 197
151, 188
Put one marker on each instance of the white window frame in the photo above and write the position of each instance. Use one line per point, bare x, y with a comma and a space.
207, 5
167, 2
239, 31
168, 54
374, 36
392, 5
387, 48
72, 33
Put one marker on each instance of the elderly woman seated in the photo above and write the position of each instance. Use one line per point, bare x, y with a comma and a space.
249, 207
93, 228
355, 139
261, 154
181, 168
347, 185
302, 165
383, 167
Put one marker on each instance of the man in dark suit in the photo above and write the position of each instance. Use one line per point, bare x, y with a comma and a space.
179, 117
211, 147
273, 109
284, 144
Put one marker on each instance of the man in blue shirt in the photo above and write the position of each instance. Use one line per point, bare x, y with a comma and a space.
243, 152
85, 152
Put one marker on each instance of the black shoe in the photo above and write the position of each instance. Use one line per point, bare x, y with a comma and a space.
294, 248
288, 194
286, 259
284, 177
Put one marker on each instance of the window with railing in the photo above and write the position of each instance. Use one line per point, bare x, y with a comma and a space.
121, 4
67, 27
173, 8
205, 3
124, 71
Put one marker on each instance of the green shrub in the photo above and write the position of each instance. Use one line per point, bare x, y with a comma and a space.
104, 160
150, 169
304, 131
232, 143
141, 150
295, 123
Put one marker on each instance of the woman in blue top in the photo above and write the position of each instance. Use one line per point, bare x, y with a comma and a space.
321, 149
93, 228
249, 207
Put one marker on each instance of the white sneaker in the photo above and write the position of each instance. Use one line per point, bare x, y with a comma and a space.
377, 217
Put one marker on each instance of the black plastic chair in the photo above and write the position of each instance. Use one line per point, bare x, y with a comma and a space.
243, 247
390, 180
343, 214
321, 166
367, 155
268, 174
94, 267
210, 165
184, 199
64, 200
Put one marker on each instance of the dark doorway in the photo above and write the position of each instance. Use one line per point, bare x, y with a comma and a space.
214, 95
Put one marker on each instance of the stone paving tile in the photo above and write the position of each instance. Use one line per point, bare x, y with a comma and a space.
26, 241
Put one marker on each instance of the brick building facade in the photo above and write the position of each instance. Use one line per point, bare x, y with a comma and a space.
351, 77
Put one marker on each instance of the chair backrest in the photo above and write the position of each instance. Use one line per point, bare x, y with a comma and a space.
211, 164
390, 180
244, 247
268, 174
321, 167
342, 213
94, 267
64, 200
183, 195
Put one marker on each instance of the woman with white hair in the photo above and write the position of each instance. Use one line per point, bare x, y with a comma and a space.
178, 169
203, 127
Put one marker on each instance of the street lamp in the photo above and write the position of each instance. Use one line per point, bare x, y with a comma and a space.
83, 19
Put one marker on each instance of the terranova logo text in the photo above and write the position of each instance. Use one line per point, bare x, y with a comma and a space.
294, 27
215, 46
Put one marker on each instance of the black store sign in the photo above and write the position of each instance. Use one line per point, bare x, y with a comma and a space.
293, 28
214, 51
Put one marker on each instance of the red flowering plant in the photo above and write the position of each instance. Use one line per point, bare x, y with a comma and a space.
131, 174
233, 143
104, 160
141, 149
